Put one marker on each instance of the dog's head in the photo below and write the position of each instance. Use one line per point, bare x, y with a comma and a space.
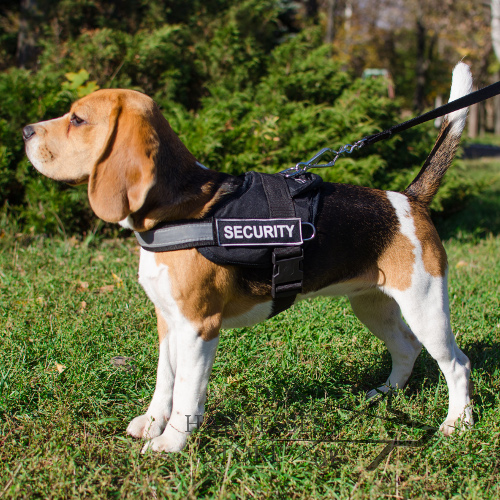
118, 142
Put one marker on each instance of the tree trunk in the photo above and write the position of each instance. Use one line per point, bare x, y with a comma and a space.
495, 40
495, 27
26, 38
330, 21
420, 70
496, 111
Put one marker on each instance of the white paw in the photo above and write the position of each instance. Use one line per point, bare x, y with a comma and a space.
171, 441
461, 423
447, 427
145, 426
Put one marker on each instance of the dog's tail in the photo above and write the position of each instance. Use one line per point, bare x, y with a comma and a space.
428, 180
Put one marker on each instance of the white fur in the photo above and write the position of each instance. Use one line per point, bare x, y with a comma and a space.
184, 367
257, 314
37, 159
154, 421
461, 85
32, 151
425, 307
127, 223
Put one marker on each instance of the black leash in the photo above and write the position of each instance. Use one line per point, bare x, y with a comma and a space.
463, 102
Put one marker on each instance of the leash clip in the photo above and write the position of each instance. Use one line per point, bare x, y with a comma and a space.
303, 166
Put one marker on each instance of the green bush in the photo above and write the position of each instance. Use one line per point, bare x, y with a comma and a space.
274, 124
243, 91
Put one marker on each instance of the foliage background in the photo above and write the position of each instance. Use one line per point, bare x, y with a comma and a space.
246, 85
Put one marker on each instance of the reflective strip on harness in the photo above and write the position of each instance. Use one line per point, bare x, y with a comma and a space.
177, 237
227, 233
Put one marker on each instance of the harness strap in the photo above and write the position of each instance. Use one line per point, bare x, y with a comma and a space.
178, 237
287, 261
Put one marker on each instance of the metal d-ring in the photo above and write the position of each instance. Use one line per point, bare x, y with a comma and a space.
313, 231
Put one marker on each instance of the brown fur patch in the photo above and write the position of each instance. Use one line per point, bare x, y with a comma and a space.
433, 252
162, 325
198, 287
396, 263
241, 304
204, 292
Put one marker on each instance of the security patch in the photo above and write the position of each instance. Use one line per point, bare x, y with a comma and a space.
258, 232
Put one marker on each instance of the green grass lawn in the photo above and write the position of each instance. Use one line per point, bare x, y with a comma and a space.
286, 407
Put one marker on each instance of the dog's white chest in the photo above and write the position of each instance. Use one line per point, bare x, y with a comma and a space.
151, 275
156, 282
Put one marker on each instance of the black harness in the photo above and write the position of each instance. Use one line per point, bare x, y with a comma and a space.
265, 223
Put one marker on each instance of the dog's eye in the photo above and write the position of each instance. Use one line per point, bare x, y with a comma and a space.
76, 120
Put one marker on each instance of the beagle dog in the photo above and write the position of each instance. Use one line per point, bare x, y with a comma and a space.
379, 248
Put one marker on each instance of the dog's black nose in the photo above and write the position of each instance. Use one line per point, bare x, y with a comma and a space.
28, 132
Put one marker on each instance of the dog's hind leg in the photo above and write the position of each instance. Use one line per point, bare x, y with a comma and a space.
382, 316
423, 300
425, 308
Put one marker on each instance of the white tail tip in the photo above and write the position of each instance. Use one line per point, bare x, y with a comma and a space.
461, 85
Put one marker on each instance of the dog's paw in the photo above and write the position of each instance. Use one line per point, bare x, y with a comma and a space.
170, 441
460, 424
447, 427
145, 426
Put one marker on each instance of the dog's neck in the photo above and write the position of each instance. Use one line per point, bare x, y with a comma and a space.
184, 189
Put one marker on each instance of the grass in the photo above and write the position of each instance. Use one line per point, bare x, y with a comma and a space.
67, 309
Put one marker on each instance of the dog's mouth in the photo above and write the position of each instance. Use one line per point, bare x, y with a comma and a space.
70, 182
75, 182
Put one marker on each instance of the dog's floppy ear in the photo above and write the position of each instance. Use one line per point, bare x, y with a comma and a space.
125, 170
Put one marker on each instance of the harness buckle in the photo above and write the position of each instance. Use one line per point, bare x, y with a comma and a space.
287, 275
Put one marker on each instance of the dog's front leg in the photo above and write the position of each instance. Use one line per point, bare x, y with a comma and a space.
189, 309
154, 421
194, 358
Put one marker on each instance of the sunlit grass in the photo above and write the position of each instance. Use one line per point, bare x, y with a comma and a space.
67, 309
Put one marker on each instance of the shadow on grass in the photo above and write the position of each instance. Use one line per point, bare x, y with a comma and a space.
281, 392
295, 390
484, 355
